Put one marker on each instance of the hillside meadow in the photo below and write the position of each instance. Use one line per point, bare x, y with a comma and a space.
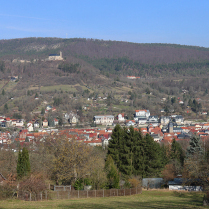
161, 199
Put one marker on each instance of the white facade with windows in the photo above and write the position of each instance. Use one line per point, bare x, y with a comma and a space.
104, 119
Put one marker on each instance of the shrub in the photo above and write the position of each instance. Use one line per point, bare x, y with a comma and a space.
7, 191
33, 184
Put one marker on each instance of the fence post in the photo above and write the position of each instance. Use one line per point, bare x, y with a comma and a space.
103, 192
30, 196
78, 193
46, 195
64, 188
95, 193
87, 194
41, 196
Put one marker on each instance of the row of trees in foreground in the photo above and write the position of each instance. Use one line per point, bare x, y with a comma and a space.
130, 157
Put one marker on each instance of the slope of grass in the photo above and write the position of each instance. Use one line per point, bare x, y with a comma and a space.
148, 199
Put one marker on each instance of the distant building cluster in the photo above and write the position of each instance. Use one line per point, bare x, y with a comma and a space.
132, 77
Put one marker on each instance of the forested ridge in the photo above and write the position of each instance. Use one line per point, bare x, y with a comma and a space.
102, 67
114, 56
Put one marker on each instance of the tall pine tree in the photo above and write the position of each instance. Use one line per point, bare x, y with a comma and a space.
23, 163
135, 154
195, 146
112, 173
177, 152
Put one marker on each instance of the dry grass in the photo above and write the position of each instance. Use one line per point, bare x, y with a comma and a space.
148, 199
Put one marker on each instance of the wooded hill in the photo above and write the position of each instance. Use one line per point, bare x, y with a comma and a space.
114, 57
96, 68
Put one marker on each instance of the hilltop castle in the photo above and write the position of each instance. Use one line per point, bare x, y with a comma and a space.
55, 56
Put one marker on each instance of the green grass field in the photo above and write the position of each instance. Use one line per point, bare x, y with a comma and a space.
148, 199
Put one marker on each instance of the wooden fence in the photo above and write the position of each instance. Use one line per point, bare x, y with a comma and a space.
52, 195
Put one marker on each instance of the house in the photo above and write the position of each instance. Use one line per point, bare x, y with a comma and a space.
142, 121
130, 123
153, 119
73, 118
30, 126
23, 134
1, 119
121, 117
14, 78
3, 124
30, 137
8, 122
36, 124
179, 184
5, 138
104, 119
179, 119
177, 130
94, 143
14, 122
56, 122
49, 107
45, 123
19, 123
164, 120
141, 114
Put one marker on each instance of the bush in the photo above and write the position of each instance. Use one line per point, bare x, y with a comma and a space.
33, 184
134, 182
7, 191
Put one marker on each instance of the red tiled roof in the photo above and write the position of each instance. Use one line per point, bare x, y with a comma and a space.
140, 110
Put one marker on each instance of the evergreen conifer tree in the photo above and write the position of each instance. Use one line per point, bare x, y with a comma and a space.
177, 152
116, 145
195, 146
23, 163
135, 154
112, 173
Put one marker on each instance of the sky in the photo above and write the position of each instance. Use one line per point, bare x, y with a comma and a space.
184, 22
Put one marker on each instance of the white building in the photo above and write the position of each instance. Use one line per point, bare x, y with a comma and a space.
121, 117
164, 120
153, 119
30, 126
104, 119
141, 115
179, 119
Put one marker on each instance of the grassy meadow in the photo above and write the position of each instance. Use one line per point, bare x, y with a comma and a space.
148, 199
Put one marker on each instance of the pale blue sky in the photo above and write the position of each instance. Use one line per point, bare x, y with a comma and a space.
142, 21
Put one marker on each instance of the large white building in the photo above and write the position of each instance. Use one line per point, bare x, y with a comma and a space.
141, 115
104, 119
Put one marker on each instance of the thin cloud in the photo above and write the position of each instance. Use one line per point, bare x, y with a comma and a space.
28, 29
26, 17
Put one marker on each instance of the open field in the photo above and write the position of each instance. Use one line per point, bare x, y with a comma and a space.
148, 199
